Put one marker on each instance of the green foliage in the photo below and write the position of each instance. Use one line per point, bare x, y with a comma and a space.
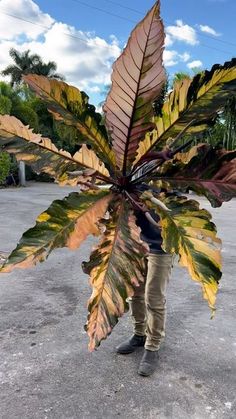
5, 164
229, 117
179, 77
5, 105
27, 115
5, 89
22, 103
67, 137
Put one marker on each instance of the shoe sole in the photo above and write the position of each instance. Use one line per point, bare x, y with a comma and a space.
125, 352
129, 352
144, 375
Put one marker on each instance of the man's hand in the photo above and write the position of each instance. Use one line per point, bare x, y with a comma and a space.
166, 154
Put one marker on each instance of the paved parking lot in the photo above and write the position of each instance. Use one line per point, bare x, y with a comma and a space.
46, 371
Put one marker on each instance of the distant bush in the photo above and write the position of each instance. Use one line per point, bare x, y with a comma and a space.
5, 105
5, 164
27, 115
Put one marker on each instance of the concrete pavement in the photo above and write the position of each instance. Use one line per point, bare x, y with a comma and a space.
46, 371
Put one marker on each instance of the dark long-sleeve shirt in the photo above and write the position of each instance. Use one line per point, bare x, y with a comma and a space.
150, 233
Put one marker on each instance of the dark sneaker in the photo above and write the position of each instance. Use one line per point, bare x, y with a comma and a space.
131, 345
148, 363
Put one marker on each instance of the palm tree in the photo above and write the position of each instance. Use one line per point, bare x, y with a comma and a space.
26, 63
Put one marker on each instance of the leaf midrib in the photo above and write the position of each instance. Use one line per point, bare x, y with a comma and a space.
58, 234
186, 111
124, 169
79, 124
117, 229
53, 151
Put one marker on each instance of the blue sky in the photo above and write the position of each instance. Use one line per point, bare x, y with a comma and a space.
199, 34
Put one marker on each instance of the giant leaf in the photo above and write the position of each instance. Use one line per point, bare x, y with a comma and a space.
205, 170
189, 232
66, 223
138, 78
42, 154
70, 106
197, 101
115, 266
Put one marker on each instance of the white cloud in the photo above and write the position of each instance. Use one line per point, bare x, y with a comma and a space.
84, 58
94, 89
209, 30
185, 56
172, 58
11, 28
195, 64
168, 40
182, 32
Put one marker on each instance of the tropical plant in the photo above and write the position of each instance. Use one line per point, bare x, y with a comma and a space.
26, 63
131, 157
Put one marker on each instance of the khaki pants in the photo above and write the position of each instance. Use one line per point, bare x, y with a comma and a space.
148, 305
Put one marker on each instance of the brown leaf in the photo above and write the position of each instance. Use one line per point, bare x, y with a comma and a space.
138, 78
115, 266
42, 154
204, 170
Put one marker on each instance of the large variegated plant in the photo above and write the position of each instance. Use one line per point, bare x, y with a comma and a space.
130, 156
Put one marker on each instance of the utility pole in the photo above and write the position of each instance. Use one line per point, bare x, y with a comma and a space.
22, 179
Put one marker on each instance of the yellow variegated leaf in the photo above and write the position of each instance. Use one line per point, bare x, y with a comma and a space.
197, 101
42, 154
66, 223
115, 266
70, 106
188, 232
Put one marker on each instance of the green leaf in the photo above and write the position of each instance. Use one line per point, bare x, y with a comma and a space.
66, 223
204, 170
70, 106
42, 155
197, 100
115, 266
188, 232
137, 80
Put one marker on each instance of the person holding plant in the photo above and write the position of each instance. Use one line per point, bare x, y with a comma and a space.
148, 304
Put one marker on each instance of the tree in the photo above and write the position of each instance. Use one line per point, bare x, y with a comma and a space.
180, 76
26, 63
229, 123
130, 157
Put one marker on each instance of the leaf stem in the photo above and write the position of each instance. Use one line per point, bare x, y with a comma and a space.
160, 162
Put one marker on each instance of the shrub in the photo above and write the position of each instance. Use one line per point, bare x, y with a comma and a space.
5, 163
27, 115
5, 105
